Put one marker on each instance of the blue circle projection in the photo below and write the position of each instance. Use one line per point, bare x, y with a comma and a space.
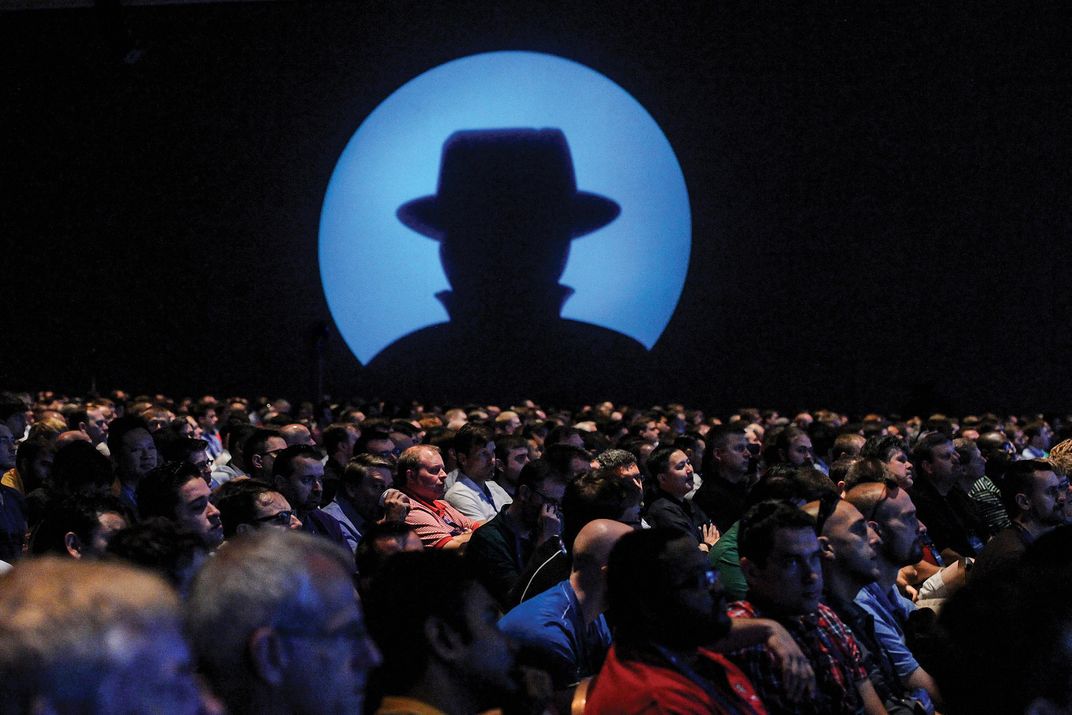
380, 277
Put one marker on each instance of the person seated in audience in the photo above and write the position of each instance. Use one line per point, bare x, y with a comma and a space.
668, 612
178, 492
563, 631
935, 462
365, 496
1035, 496
511, 455
525, 533
338, 442
726, 469
298, 474
276, 627
247, 505
381, 541
781, 560
79, 526
161, 545
889, 510
82, 637
474, 493
850, 544
436, 627
422, 478
133, 454
672, 478
260, 450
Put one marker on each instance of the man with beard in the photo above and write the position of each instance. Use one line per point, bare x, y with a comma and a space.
850, 544
891, 513
436, 627
781, 557
1035, 497
668, 610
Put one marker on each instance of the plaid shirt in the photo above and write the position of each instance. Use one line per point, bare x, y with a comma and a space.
828, 644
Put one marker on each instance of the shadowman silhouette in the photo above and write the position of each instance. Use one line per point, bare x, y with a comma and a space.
505, 212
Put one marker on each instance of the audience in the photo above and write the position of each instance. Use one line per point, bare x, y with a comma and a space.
834, 577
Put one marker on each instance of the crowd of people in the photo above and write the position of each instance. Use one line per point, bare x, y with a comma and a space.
253, 556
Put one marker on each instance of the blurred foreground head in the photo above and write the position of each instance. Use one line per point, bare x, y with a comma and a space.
79, 637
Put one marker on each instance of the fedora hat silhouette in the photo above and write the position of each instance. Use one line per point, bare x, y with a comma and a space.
509, 176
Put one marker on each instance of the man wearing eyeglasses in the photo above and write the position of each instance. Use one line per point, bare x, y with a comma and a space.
522, 534
890, 512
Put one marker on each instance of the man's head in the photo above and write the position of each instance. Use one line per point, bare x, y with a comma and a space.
619, 463
890, 511
728, 455
298, 474
435, 624
100, 637
848, 541
1034, 494
663, 591
475, 451
364, 481
92, 420
889, 449
507, 423
260, 450
339, 440
79, 526
540, 485
591, 553
512, 453
132, 448
296, 433
7, 448
792, 445
178, 492
672, 471
935, 459
780, 557
274, 618
376, 439
14, 413
247, 505
572, 461
421, 473
598, 496
1038, 435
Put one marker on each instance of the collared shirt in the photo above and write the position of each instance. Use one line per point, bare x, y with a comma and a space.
722, 501
352, 523
670, 512
554, 637
479, 504
830, 647
890, 610
436, 522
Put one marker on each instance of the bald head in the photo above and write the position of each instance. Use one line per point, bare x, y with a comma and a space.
296, 434
66, 438
594, 543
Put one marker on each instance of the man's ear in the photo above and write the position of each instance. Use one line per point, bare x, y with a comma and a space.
244, 529
444, 642
1023, 502
267, 655
256, 461
826, 551
73, 545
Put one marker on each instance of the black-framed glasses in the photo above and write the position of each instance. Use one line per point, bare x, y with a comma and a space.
557, 503
282, 518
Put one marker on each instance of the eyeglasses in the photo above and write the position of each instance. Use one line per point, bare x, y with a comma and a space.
557, 503
282, 518
705, 579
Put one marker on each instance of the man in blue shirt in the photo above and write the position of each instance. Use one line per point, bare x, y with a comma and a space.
563, 630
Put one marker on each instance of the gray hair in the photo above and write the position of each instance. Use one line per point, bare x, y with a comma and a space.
262, 579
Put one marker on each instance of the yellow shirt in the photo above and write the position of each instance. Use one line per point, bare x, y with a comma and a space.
398, 705
12, 479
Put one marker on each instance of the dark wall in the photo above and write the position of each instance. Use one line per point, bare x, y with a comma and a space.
880, 199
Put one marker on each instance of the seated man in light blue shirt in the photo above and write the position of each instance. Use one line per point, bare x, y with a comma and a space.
474, 493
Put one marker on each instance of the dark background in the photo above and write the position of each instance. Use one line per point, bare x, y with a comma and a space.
880, 196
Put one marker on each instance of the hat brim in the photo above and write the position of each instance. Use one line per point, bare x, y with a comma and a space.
588, 213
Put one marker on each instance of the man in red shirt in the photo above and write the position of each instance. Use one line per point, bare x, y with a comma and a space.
422, 478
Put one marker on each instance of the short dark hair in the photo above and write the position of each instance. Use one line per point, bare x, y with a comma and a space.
560, 455
237, 501
539, 471
78, 513
635, 584
1020, 479
284, 462
160, 545
470, 436
357, 468
119, 427
334, 435
760, 523
594, 496
506, 444
412, 588
882, 448
659, 460
925, 446
158, 491
256, 442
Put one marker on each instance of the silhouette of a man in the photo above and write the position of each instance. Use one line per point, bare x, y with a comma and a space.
506, 210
